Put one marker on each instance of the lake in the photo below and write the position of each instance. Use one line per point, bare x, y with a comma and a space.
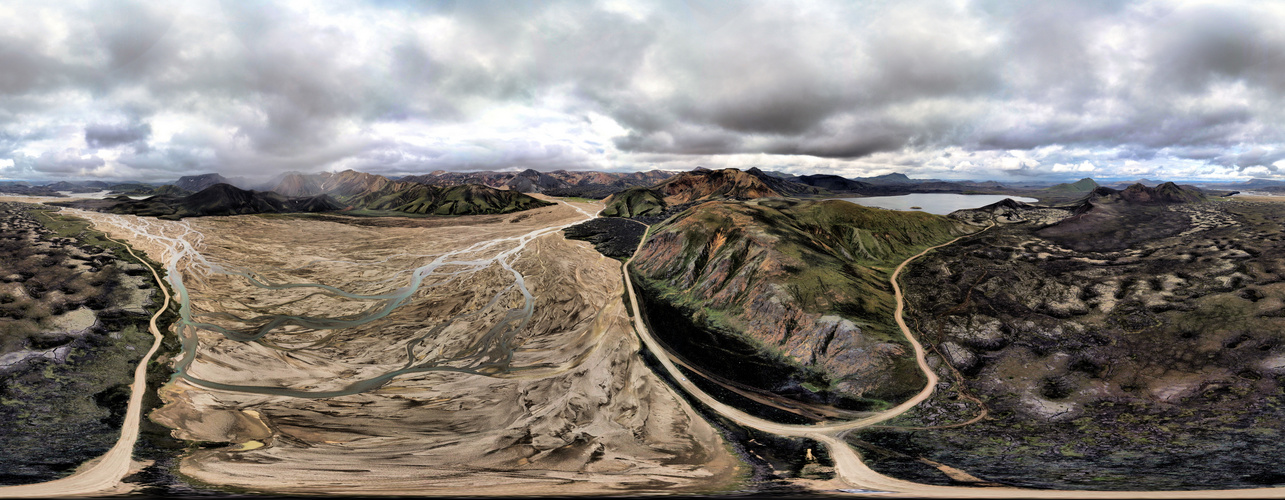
934, 203
99, 195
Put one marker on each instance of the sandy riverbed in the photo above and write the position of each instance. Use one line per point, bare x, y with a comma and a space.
562, 405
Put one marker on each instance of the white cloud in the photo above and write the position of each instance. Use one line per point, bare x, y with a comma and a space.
1257, 172
1084, 166
931, 88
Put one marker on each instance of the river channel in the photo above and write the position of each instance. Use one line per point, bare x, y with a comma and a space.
489, 354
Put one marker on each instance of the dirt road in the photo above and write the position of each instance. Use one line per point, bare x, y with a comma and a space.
850, 469
103, 475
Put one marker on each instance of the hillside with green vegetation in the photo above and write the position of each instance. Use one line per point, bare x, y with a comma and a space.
798, 289
169, 190
375, 193
74, 311
1084, 185
467, 199
634, 202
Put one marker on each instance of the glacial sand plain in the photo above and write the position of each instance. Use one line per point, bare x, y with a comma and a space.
487, 354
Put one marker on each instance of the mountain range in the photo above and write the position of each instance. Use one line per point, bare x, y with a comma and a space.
702, 184
348, 190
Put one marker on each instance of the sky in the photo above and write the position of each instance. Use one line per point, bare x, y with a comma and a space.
999, 90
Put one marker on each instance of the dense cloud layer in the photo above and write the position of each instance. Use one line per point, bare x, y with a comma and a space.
951, 89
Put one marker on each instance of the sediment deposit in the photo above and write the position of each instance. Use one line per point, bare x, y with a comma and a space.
479, 355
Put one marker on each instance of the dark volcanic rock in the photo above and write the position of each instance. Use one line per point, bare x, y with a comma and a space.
593, 191
614, 237
1157, 366
1141, 194
219, 199
1111, 220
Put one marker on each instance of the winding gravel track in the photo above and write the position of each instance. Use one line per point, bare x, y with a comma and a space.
103, 475
850, 469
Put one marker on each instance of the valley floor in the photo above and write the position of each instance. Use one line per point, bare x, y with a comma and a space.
490, 355
485, 354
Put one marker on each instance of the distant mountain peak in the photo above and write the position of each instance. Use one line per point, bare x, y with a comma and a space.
196, 183
1084, 185
893, 178
1139, 193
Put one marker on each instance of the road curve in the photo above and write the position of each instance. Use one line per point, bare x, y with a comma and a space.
793, 429
850, 469
103, 475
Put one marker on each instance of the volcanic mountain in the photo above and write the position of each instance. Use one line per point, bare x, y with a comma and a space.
835, 183
1081, 186
298, 184
169, 190
1110, 220
196, 183
375, 192
704, 184
226, 199
893, 178
219, 199
1260, 185
700, 185
467, 199
330, 192
892, 185
587, 184
1167, 192
784, 294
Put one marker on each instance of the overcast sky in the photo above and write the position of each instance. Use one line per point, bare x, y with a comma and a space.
952, 89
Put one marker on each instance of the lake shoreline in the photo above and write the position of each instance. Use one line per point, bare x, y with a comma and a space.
933, 203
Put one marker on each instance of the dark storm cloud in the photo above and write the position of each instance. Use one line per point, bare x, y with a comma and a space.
100, 135
1214, 43
156, 89
24, 70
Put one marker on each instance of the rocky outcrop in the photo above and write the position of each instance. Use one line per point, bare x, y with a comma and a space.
703, 184
1142, 195
798, 279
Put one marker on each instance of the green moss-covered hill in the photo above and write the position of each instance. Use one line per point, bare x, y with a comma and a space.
1081, 186
634, 202
455, 200
804, 281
